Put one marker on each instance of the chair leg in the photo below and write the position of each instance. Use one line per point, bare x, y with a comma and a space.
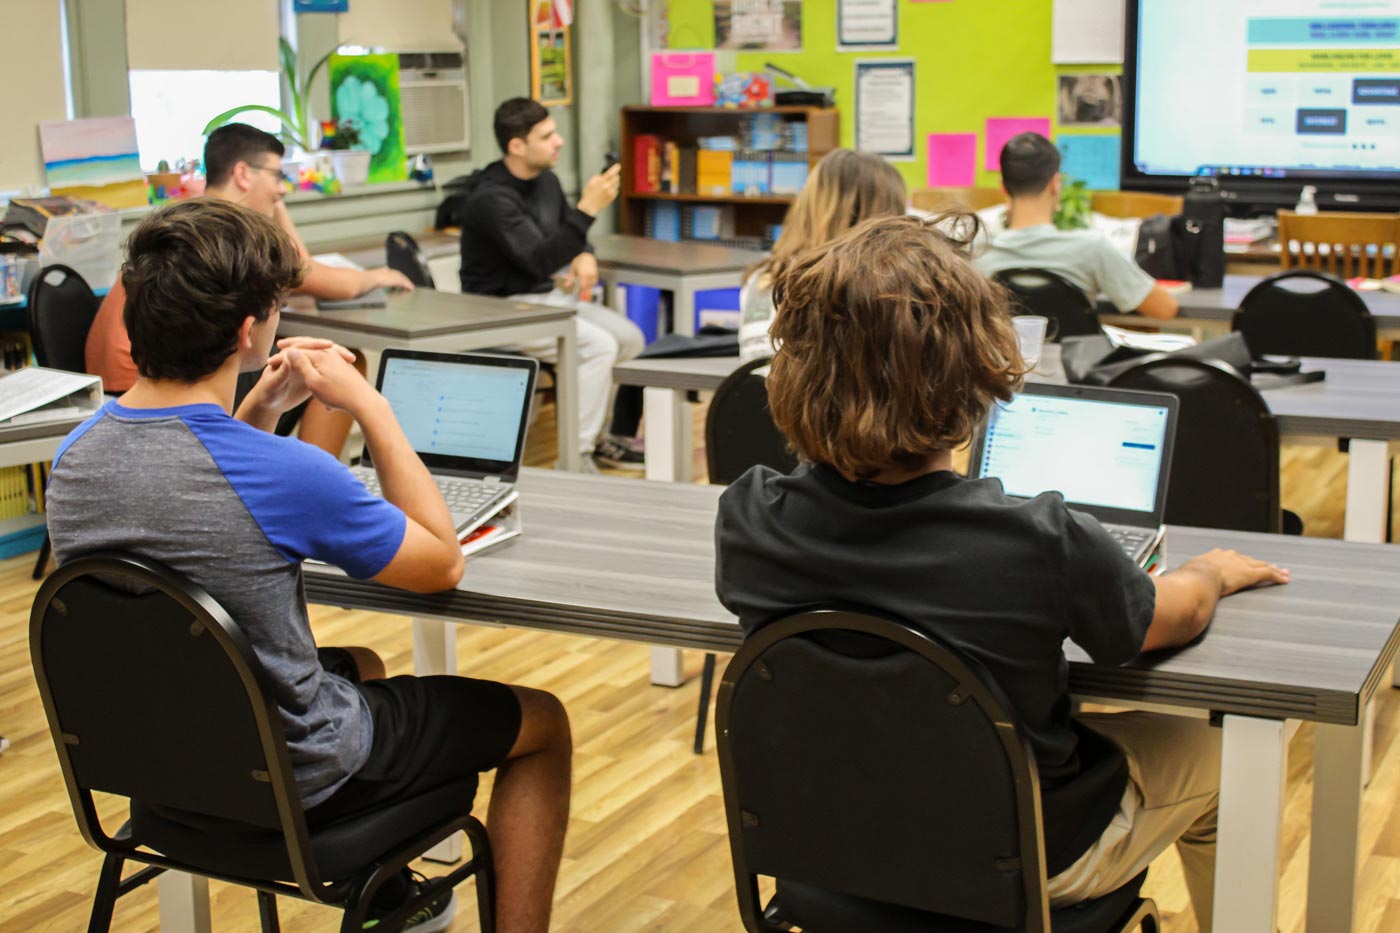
42, 564
104, 901
267, 912
707, 678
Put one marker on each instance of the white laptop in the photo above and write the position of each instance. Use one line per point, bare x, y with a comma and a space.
465, 414
1107, 451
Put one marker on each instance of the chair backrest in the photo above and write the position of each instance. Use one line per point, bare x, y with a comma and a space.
739, 428
61, 310
152, 692
1136, 204
1225, 468
403, 255
1344, 244
1305, 313
967, 199
864, 757
1037, 291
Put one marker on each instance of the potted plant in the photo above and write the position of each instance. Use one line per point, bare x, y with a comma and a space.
351, 163
297, 124
1075, 211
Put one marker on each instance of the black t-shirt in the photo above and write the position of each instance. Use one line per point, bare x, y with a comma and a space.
1005, 581
516, 233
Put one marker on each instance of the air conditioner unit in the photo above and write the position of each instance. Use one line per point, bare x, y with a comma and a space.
433, 98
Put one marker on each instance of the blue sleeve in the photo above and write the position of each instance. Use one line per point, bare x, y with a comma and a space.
305, 501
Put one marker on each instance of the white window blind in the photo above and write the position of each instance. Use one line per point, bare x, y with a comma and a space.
177, 35
34, 60
401, 25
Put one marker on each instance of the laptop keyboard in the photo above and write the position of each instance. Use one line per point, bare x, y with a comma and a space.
1131, 539
466, 498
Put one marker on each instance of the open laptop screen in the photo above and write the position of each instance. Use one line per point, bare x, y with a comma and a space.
460, 412
1103, 450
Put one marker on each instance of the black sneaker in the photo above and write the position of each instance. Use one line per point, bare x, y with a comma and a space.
619, 454
433, 917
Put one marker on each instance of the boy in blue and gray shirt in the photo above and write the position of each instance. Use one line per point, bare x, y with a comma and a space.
166, 472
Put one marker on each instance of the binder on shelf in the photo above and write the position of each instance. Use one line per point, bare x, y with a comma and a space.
687, 170
646, 172
788, 173
663, 221
714, 172
35, 394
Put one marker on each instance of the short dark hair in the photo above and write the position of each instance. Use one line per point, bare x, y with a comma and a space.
233, 143
891, 345
1028, 162
516, 118
194, 272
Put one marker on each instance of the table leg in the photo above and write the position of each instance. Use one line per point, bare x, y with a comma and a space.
1336, 820
683, 317
666, 414
435, 652
1254, 758
566, 399
184, 903
666, 667
1368, 479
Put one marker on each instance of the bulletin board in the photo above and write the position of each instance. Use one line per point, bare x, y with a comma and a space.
976, 60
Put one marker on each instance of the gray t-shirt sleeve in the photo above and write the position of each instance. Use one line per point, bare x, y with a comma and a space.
1120, 279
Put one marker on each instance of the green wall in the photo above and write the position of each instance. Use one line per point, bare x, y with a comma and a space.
975, 59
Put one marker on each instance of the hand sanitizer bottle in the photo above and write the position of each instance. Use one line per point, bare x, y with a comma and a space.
1307, 201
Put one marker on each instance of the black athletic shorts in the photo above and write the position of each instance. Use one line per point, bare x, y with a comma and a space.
428, 731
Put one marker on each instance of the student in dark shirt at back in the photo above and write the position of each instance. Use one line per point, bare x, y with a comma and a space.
891, 348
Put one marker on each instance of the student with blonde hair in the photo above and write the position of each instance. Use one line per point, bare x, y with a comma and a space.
846, 188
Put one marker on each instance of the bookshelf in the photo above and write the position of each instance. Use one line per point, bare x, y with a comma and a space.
753, 215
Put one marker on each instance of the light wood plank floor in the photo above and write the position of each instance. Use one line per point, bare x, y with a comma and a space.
647, 849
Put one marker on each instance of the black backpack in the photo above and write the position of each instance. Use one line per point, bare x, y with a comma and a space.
1161, 247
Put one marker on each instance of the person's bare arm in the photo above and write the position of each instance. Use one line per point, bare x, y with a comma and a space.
1188, 595
332, 282
1159, 304
430, 557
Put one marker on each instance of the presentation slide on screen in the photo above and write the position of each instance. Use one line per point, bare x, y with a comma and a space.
455, 409
1268, 88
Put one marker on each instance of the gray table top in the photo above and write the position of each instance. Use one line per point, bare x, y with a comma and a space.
658, 256
700, 374
632, 560
1220, 304
427, 313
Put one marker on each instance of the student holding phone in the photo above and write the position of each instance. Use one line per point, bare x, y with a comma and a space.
521, 238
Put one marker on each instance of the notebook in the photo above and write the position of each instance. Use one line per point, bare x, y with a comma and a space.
1107, 451
465, 414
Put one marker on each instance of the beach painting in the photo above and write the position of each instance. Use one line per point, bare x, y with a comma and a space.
94, 158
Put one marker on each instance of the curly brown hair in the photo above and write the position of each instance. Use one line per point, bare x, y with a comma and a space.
891, 346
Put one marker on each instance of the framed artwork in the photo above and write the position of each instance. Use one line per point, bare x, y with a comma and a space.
365, 91
551, 52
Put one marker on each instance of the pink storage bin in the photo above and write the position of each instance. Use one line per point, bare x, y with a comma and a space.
682, 79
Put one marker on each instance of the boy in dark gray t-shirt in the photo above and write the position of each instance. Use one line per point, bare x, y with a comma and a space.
166, 472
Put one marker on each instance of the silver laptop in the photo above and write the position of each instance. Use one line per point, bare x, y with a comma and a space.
1107, 451
465, 414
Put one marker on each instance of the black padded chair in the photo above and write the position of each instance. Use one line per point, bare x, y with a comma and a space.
61, 311
1225, 468
403, 255
739, 434
1037, 291
153, 693
1305, 313
887, 789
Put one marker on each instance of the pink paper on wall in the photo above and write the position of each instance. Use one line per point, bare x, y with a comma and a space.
1000, 129
952, 160
682, 79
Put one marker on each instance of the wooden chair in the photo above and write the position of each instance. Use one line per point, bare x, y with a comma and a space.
1136, 203
970, 199
1344, 244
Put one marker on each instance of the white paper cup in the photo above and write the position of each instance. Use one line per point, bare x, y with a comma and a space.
1030, 333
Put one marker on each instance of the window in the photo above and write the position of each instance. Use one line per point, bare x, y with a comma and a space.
171, 108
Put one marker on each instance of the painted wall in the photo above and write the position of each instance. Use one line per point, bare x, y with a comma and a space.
975, 59
38, 60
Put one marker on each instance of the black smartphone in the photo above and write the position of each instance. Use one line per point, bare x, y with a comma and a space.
611, 159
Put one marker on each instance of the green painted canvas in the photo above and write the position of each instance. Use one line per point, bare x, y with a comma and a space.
365, 89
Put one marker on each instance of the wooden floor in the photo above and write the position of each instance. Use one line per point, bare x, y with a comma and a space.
646, 849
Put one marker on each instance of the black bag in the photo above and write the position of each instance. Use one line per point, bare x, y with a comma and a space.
452, 210
1093, 360
1204, 231
1160, 247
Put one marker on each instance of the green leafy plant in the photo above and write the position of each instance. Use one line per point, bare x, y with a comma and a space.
1074, 211
297, 124
347, 136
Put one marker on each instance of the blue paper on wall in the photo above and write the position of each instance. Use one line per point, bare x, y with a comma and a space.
1092, 160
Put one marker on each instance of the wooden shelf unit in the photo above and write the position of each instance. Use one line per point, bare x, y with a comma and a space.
684, 125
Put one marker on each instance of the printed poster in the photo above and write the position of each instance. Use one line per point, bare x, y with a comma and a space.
885, 108
766, 25
867, 24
